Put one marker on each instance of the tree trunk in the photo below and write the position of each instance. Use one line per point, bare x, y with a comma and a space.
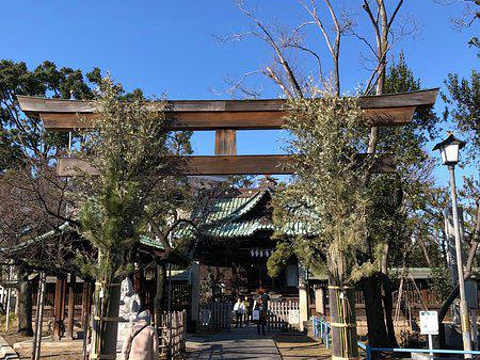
377, 291
160, 293
105, 325
25, 306
388, 310
342, 316
110, 326
372, 291
105, 312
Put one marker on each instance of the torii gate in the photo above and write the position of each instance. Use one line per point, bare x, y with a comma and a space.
225, 117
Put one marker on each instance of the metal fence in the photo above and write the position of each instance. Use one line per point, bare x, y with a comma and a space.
321, 331
215, 316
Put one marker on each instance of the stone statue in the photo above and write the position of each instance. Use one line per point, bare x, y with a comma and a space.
129, 308
129, 302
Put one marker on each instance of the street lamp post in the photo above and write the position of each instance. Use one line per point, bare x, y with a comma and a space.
449, 150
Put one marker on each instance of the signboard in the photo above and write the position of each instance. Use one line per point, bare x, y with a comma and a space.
294, 317
471, 294
428, 323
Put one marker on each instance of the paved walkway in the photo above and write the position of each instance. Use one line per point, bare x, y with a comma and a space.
238, 344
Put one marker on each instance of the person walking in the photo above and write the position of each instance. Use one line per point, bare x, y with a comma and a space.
265, 299
141, 341
260, 316
248, 301
239, 309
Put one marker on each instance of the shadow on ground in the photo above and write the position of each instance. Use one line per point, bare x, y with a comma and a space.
243, 343
300, 347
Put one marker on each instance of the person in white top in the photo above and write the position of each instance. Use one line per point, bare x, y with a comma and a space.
239, 309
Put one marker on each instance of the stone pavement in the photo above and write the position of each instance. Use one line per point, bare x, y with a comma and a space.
238, 344
6, 351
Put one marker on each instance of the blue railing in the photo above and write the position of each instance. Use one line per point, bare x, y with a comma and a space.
321, 330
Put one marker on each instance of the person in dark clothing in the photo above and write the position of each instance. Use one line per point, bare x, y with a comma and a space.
265, 299
260, 316
248, 309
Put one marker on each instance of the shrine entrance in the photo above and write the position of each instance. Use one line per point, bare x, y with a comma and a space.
226, 118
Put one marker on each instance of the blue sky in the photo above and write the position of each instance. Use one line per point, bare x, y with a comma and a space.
171, 46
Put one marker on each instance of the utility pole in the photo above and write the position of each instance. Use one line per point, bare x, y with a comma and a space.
449, 150
464, 313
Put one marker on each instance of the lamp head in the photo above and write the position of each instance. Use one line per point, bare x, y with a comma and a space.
450, 149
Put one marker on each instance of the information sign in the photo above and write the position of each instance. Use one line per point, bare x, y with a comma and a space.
428, 323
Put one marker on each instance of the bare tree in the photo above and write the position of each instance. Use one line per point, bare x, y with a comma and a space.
382, 28
281, 72
332, 24
470, 11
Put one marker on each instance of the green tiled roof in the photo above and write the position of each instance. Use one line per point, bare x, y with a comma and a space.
227, 220
239, 229
153, 243
65, 227
230, 209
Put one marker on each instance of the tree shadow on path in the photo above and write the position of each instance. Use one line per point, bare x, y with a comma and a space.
241, 344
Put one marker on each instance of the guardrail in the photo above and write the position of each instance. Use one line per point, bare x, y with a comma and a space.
321, 330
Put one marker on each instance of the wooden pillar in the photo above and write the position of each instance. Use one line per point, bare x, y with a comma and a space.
71, 306
86, 299
63, 314
195, 279
37, 338
302, 297
320, 300
159, 302
225, 142
85, 309
59, 308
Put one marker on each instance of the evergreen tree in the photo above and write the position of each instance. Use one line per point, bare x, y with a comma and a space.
138, 189
327, 202
31, 195
397, 206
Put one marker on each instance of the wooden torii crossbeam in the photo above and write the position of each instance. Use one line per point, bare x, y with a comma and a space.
225, 117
